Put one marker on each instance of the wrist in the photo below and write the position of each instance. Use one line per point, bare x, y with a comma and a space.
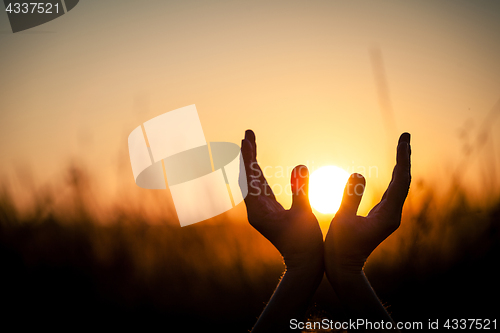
293, 294
340, 278
342, 270
310, 266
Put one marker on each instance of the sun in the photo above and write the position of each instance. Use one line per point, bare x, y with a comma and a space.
326, 187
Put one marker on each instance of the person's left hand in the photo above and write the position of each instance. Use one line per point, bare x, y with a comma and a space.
351, 238
294, 232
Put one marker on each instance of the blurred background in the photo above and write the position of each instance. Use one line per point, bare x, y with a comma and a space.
319, 82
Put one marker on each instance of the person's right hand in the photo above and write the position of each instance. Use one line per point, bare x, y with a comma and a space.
351, 238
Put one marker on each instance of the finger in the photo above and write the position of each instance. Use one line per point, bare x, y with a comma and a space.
254, 186
250, 136
401, 176
405, 137
299, 181
266, 189
353, 192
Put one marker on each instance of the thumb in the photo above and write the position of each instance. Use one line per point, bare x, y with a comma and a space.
353, 192
300, 187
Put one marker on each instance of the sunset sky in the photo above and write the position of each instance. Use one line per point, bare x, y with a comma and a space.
299, 73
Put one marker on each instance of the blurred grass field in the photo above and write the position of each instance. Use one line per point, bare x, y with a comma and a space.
68, 259
70, 268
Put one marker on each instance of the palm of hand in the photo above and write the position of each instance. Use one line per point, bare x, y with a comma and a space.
355, 237
351, 238
294, 232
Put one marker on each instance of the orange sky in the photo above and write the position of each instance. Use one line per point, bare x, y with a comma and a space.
298, 73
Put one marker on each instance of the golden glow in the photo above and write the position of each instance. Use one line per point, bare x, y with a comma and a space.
306, 66
326, 186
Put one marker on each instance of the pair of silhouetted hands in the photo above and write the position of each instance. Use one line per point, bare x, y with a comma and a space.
298, 237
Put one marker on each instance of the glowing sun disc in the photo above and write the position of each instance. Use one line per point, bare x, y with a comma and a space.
326, 187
